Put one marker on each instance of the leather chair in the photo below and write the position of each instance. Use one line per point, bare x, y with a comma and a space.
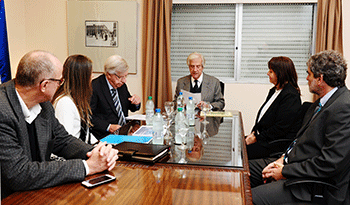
222, 85
277, 144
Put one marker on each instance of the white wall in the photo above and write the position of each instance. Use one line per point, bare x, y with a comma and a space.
42, 24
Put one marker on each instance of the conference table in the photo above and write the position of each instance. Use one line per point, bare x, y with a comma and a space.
214, 173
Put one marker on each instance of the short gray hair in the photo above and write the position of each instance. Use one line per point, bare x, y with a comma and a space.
195, 55
33, 66
331, 65
116, 63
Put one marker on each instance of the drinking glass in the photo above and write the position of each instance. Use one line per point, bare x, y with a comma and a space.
183, 132
205, 107
169, 108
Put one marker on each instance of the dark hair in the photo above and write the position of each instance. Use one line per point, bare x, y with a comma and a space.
285, 71
77, 71
331, 65
33, 66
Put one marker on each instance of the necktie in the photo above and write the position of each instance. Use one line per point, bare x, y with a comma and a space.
195, 85
118, 107
291, 146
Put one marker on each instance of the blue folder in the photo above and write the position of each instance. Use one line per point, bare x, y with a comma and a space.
116, 139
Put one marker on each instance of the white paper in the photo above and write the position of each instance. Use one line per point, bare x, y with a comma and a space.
136, 117
196, 96
144, 131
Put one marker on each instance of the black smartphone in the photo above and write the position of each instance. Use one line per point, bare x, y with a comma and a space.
98, 181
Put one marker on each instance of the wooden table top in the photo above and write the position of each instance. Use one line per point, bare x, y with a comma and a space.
161, 183
145, 184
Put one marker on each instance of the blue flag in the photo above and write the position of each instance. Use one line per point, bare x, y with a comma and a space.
5, 70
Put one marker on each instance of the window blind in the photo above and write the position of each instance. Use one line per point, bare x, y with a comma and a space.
205, 28
270, 30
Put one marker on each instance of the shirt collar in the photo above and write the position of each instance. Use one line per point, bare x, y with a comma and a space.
200, 80
325, 98
29, 114
109, 85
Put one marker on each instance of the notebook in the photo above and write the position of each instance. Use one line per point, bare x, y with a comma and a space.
131, 151
116, 139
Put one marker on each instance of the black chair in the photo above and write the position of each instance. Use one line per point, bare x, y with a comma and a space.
284, 143
317, 189
222, 85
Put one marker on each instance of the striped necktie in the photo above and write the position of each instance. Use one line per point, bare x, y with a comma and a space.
118, 107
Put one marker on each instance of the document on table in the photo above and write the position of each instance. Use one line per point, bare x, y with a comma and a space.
136, 117
144, 131
196, 96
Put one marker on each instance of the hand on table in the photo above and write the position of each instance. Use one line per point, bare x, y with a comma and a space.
102, 157
113, 128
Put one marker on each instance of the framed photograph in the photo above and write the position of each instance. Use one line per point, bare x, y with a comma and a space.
101, 33
100, 29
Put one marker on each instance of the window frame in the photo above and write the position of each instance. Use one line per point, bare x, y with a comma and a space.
238, 33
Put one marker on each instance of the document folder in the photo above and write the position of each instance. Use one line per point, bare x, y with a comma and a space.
131, 151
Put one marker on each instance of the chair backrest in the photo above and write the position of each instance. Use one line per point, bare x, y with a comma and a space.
222, 85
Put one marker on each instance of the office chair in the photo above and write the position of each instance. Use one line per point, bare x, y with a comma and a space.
222, 85
284, 143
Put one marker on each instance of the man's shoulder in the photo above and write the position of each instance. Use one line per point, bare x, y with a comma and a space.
210, 78
184, 78
98, 79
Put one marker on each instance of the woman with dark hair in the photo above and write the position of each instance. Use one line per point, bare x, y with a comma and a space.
277, 117
72, 98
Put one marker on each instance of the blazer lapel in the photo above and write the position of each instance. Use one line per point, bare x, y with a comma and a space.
309, 114
107, 94
205, 87
23, 136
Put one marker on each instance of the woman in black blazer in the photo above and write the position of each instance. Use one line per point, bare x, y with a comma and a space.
277, 117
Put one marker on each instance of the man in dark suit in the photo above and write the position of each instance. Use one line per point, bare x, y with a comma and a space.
321, 150
111, 100
199, 82
29, 132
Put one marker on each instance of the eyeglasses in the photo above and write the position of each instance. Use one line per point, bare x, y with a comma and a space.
60, 81
119, 77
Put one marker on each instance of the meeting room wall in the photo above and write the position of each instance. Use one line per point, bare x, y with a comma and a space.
42, 24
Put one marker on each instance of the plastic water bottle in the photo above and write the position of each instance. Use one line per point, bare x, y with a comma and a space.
158, 137
180, 102
180, 122
149, 111
190, 111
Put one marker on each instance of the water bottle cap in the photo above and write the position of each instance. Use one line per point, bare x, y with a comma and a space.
150, 97
179, 109
190, 98
180, 93
157, 110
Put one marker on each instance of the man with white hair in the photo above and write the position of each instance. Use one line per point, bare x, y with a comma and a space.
111, 100
199, 82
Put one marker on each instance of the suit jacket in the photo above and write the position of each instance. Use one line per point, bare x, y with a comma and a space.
278, 122
102, 106
322, 149
211, 90
18, 171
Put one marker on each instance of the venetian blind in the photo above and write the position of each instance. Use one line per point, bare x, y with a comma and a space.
205, 28
270, 30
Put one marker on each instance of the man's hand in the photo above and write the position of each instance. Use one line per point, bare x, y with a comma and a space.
135, 99
250, 139
273, 171
113, 128
102, 157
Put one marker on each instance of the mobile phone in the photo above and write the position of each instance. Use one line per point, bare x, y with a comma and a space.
98, 181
